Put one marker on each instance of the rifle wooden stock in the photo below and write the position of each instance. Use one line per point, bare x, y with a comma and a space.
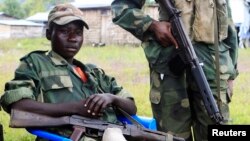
23, 119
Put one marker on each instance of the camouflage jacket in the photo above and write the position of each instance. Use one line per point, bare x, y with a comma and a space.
47, 77
197, 16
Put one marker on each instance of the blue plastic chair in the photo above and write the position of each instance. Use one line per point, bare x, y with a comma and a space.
147, 122
46, 135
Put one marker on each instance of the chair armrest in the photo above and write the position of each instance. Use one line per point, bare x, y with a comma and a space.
147, 122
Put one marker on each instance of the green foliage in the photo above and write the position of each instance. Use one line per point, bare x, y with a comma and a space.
150, 1
28, 7
130, 68
33, 6
54, 2
13, 8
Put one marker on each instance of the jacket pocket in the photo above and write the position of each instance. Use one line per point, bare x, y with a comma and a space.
203, 24
155, 95
55, 80
187, 10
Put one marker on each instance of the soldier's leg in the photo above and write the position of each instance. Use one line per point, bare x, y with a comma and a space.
170, 104
201, 119
206, 56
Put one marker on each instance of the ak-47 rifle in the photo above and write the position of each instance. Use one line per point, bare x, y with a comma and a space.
187, 56
87, 126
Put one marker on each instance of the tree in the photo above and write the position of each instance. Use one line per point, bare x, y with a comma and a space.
27, 8
33, 6
13, 8
54, 2
150, 1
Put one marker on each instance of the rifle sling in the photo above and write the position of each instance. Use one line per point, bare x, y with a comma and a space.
217, 57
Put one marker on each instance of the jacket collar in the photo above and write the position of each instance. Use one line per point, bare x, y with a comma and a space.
57, 59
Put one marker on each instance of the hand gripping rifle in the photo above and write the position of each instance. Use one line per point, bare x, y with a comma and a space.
186, 55
83, 125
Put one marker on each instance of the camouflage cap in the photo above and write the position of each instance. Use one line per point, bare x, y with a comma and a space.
63, 14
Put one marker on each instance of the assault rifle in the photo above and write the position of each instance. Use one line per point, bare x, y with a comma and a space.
87, 126
186, 55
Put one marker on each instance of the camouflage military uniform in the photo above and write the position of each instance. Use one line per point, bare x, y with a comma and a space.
175, 100
47, 77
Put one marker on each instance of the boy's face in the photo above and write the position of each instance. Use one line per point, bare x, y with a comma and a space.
67, 39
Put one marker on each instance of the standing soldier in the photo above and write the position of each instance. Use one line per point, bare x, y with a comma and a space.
175, 99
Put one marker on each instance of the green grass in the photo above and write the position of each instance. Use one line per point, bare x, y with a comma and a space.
129, 66
239, 106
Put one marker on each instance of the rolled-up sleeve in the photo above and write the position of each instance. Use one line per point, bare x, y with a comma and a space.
125, 94
22, 86
128, 15
118, 90
108, 84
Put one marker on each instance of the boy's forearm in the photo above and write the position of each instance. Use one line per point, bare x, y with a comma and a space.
50, 109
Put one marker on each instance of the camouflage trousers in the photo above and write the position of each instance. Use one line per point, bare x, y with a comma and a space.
176, 102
